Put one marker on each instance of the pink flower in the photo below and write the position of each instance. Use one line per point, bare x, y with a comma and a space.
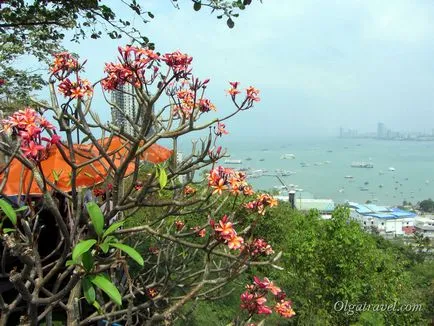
205, 105
75, 90
235, 242
261, 284
179, 225
178, 61
32, 149
284, 309
220, 129
225, 229
252, 94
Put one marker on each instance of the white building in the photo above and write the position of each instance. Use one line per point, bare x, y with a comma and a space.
125, 99
385, 220
425, 226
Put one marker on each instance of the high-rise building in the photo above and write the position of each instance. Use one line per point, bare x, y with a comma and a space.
381, 130
125, 99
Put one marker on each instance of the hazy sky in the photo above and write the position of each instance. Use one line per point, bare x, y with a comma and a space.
319, 64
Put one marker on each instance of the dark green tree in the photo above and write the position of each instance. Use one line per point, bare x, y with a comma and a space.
427, 205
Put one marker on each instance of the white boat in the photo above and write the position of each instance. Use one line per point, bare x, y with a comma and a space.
391, 168
287, 157
349, 177
233, 162
362, 165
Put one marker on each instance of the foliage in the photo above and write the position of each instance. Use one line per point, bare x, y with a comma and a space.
427, 205
37, 28
97, 265
326, 261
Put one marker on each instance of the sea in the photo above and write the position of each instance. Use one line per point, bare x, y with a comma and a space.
402, 170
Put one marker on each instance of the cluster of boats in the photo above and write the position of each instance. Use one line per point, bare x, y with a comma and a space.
252, 173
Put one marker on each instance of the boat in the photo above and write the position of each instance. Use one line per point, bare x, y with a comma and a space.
349, 177
248, 159
262, 159
362, 165
391, 168
284, 173
287, 157
233, 162
363, 189
341, 190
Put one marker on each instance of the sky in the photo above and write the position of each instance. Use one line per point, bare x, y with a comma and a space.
319, 64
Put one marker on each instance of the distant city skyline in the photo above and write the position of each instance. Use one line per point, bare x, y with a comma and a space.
383, 132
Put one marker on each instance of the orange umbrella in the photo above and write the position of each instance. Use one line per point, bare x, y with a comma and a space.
57, 171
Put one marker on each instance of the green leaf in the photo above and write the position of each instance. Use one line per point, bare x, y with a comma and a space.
81, 248
230, 23
163, 178
9, 211
88, 290
69, 263
96, 217
130, 252
104, 247
108, 287
8, 230
197, 6
56, 175
22, 208
98, 307
87, 260
112, 228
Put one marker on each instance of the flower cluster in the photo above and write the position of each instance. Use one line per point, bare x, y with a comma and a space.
254, 299
135, 62
205, 105
225, 232
178, 61
220, 130
2, 82
179, 225
63, 65
138, 186
28, 125
186, 101
233, 91
221, 179
260, 247
154, 250
189, 190
252, 94
261, 203
75, 90
97, 192
152, 292
200, 232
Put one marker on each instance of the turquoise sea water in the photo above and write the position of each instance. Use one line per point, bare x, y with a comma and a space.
412, 180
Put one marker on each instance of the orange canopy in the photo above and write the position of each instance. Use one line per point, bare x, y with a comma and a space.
93, 171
